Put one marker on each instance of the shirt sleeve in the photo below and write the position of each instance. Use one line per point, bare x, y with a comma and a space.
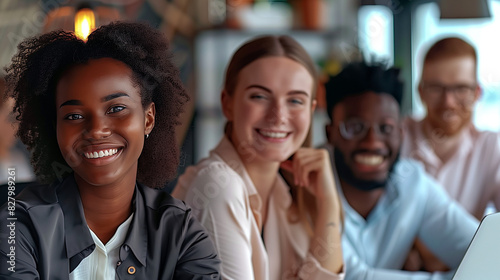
494, 152
443, 226
17, 250
447, 228
357, 269
311, 269
198, 258
218, 200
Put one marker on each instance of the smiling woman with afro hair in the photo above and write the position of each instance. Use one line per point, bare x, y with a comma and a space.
41, 61
99, 119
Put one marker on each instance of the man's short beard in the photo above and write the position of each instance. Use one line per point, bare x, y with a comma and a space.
345, 174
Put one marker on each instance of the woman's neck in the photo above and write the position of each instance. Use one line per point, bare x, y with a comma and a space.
263, 176
106, 207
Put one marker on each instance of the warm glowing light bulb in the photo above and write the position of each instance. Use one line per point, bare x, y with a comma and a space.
84, 23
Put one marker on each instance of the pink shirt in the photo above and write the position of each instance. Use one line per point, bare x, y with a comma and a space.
471, 175
225, 200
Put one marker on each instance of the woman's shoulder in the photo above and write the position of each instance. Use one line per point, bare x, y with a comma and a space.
33, 195
211, 175
215, 170
160, 200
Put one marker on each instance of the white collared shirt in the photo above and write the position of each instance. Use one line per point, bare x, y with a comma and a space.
412, 206
101, 263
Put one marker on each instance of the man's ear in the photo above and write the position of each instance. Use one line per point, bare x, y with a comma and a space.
328, 131
477, 93
149, 120
227, 105
420, 93
401, 131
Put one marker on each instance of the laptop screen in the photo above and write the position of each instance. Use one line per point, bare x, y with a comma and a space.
482, 259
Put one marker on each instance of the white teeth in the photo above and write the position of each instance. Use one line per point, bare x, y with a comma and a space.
369, 160
273, 134
100, 154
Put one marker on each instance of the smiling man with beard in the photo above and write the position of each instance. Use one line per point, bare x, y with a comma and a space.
388, 202
445, 140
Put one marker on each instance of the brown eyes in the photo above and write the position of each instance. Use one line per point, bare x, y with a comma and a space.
115, 109
73, 117
111, 110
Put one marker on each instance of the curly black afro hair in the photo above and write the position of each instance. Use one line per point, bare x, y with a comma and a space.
40, 63
360, 77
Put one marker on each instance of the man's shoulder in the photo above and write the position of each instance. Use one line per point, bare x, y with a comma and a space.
408, 169
487, 138
410, 177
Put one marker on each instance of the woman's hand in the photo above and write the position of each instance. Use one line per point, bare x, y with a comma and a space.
312, 169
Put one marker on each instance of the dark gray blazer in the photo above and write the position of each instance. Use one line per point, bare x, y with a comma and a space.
50, 237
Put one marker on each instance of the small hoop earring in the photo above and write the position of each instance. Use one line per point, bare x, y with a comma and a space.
147, 136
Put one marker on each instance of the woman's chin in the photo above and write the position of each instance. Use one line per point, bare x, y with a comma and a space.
277, 157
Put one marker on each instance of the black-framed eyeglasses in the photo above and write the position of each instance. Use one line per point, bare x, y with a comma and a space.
461, 92
356, 129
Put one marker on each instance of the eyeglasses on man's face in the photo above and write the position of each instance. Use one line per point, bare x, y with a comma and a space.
461, 92
356, 129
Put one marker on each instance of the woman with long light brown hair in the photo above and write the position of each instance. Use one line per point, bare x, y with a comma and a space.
262, 227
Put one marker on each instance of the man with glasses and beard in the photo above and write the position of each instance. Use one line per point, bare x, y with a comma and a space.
463, 159
388, 202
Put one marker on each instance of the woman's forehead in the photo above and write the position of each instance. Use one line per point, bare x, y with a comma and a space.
97, 77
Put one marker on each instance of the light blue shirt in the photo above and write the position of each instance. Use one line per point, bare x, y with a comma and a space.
413, 205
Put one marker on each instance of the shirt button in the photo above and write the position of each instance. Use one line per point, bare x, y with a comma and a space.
131, 270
